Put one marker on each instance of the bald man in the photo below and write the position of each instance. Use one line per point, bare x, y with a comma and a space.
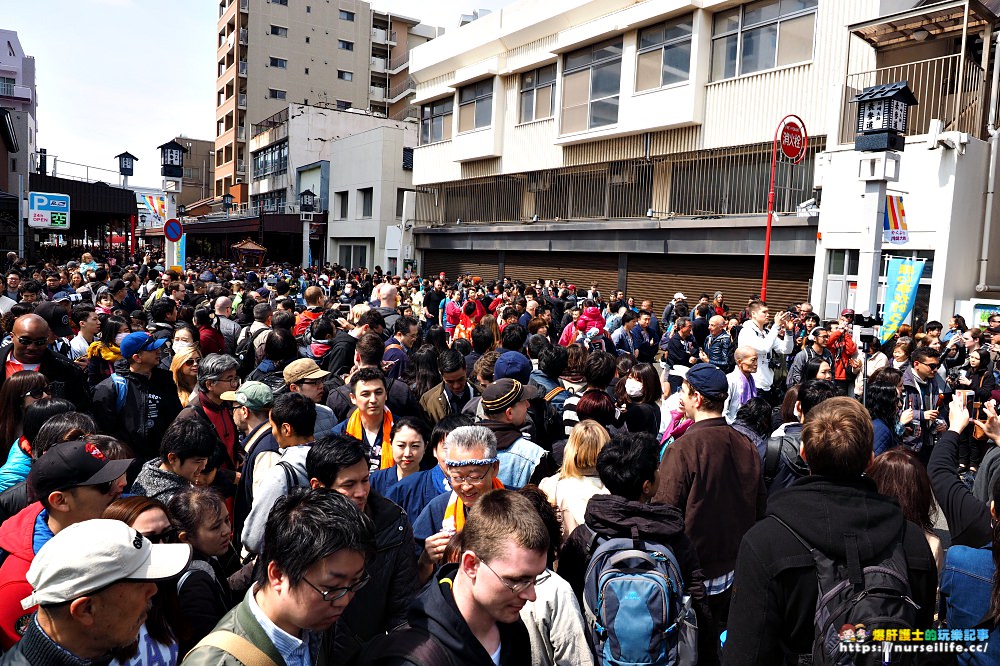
741, 384
387, 305
29, 350
717, 345
230, 329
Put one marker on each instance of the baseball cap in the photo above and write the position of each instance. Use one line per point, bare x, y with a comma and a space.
505, 393
86, 557
514, 365
847, 312
708, 380
139, 341
55, 316
61, 297
255, 395
572, 287
680, 296
71, 465
303, 368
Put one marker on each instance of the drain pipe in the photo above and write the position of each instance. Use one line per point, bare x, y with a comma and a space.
991, 128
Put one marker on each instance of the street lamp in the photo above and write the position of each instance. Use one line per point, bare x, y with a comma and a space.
227, 202
307, 204
126, 163
307, 201
882, 113
172, 160
181, 211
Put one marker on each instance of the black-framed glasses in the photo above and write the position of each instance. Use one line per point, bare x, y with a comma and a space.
335, 593
932, 366
521, 585
165, 536
37, 393
37, 342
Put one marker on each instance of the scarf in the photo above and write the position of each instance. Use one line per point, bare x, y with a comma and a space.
355, 429
748, 389
97, 350
454, 513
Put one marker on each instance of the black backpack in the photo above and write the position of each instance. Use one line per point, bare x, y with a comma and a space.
782, 464
414, 645
877, 596
246, 353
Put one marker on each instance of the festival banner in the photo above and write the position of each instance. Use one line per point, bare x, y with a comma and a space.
902, 280
894, 223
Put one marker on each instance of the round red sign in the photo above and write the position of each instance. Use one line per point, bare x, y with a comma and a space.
793, 141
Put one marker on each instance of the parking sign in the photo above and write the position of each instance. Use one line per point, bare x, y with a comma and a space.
48, 211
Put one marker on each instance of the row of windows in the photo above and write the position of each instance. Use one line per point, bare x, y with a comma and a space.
282, 63
364, 202
756, 36
344, 14
281, 31
271, 161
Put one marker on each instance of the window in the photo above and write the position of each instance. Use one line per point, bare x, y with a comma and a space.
475, 105
280, 2
346, 15
272, 202
280, 63
400, 194
309, 9
274, 93
762, 35
537, 94
307, 71
270, 161
279, 31
365, 201
354, 256
341, 198
307, 40
435, 121
345, 76
345, 45
591, 85
343, 104
664, 54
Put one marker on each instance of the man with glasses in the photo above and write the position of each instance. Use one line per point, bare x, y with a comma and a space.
29, 350
397, 348
73, 482
470, 614
217, 375
818, 337
306, 377
923, 390
313, 563
137, 405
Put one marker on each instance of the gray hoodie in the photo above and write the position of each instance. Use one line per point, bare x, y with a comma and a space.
275, 484
156, 483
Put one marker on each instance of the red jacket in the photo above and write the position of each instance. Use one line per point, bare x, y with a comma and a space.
17, 540
211, 340
843, 349
305, 320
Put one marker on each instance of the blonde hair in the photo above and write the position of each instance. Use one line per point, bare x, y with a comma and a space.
185, 385
586, 440
357, 311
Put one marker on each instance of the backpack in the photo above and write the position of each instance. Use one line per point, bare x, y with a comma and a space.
246, 353
780, 457
635, 605
414, 645
876, 596
553, 427
121, 390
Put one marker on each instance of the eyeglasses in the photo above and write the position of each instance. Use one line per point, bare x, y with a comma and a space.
235, 381
932, 366
162, 537
39, 342
471, 479
521, 585
309, 382
37, 393
335, 593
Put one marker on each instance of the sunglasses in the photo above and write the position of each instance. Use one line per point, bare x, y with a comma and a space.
166, 536
39, 342
37, 393
191, 361
932, 366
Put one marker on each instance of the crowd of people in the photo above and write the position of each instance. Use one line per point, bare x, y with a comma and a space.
279, 465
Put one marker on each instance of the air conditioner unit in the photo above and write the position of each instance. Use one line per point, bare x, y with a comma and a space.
539, 181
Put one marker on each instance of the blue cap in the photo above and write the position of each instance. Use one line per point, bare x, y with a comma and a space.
139, 341
708, 380
513, 365
62, 296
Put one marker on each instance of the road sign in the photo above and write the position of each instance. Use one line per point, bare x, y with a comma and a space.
48, 211
173, 230
793, 141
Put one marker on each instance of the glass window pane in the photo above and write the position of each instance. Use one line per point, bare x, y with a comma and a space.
484, 112
759, 47
606, 80
547, 74
604, 112
527, 80
576, 88
609, 50
676, 63
727, 21
466, 94
679, 28
648, 70
837, 262
795, 42
445, 127
763, 10
574, 119
724, 58
853, 261
466, 117
543, 102
651, 36
484, 87
789, 6
578, 58
527, 106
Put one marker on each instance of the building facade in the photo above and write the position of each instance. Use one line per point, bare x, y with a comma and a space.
631, 142
199, 170
271, 53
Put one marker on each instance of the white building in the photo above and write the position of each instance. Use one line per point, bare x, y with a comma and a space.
19, 99
634, 139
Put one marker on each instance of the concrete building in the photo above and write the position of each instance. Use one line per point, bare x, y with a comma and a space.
273, 52
199, 170
630, 142
18, 126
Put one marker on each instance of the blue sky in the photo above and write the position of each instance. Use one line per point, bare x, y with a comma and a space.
117, 75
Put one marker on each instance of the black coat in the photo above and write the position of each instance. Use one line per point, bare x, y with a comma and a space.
774, 592
65, 379
130, 424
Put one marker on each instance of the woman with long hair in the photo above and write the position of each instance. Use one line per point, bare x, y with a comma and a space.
884, 401
900, 475
577, 480
19, 391
956, 326
184, 368
158, 635
490, 321
638, 396
423, 371
977, 377
102, 354
209, 337
572, 377
437, 337
76, 280
817, 368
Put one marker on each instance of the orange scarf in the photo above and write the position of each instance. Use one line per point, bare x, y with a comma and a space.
355, 429
454, 513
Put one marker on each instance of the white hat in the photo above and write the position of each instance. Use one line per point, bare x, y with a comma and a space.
680, 297
88, 556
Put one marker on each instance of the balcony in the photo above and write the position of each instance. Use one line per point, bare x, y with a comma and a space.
397, 64
243, 68
378, 64
241, 100
15, 92
401, 90
409, 112
244, 6
241, 133
241, 166
244, 37
376, 94
383, 36
949, 88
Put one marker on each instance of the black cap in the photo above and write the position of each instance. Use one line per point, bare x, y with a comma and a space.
71, 465
56, 317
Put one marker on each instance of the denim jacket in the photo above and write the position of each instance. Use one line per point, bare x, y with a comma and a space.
966, 584
518, 462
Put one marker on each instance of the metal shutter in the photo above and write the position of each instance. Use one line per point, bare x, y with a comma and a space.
658, 277
576, 268
479, 263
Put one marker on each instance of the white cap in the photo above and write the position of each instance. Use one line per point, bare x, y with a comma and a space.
680, 297
88, 556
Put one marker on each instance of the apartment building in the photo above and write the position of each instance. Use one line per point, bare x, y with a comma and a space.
629, 142
198, 181
272, 53
18, 111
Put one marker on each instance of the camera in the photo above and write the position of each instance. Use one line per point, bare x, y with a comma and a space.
864, 327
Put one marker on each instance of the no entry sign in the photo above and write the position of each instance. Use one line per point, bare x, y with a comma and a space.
173, 230
793, 141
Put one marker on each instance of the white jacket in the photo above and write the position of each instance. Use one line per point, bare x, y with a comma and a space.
765, 344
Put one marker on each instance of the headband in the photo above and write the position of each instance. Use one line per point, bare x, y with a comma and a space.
469, 463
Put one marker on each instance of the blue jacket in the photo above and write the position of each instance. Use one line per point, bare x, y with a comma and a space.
966, 584
15, 469
885, 436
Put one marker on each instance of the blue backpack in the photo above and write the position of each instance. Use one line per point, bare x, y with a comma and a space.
121, 389
636, 607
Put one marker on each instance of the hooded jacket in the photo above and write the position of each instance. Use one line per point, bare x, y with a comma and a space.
435, 613
17, 539
156, 483
136, 423
521, 460
920, 396
774, 594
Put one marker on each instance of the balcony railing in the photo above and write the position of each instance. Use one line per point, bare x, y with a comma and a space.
11, 90
409, 111
376, 94
243, 36
378, 64
241, 133
399, 62
946, 88
243, 68
241, 100
402, 88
